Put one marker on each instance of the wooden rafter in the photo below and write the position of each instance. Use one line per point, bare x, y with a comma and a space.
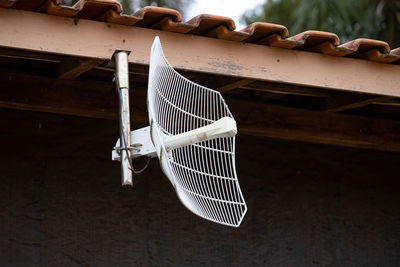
237, 84
31, 55
279, 88
313, 126
99, 99
72, 68
344, 101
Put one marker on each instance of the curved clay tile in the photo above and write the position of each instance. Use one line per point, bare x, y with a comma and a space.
150, 15
363, 45
377, 56
145, 17
172, 13
57, 9
168, 24
115, 17
92, 9
222, 32
304, 40
204, 23
214, 26
330, 49
84, 9
259, 30
309, 39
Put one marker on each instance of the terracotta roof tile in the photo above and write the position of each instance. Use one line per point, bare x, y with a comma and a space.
203, 24
330, 49
260, 30
309, 39
376, 55
94, 9
363, 45
52, 8
214, 26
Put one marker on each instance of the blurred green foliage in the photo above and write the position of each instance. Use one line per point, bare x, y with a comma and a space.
376, 19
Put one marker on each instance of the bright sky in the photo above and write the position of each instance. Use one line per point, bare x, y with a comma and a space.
228, 8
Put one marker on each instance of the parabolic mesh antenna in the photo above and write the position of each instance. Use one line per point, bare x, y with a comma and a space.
193, 134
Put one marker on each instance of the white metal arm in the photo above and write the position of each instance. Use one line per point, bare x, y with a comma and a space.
224, 127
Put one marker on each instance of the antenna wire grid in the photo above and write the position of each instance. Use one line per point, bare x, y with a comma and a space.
203, 174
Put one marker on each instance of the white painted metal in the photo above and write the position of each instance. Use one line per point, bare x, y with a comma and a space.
141, 145
203, 173
224, 127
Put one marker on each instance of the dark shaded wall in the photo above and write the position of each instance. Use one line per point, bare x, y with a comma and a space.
61, 203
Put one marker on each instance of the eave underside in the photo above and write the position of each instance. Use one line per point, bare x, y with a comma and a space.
62, 65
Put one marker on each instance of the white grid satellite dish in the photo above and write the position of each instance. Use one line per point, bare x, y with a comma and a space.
193, 134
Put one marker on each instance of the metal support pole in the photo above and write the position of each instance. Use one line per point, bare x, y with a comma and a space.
122, 84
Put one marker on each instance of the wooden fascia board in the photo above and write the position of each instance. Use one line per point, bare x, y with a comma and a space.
85, 38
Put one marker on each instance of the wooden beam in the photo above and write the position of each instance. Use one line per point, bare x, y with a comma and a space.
30, 55
345, 101
99, 99
84, 38
391, 101
87, 98
313, 126
281, 88
234, 85
75, 67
